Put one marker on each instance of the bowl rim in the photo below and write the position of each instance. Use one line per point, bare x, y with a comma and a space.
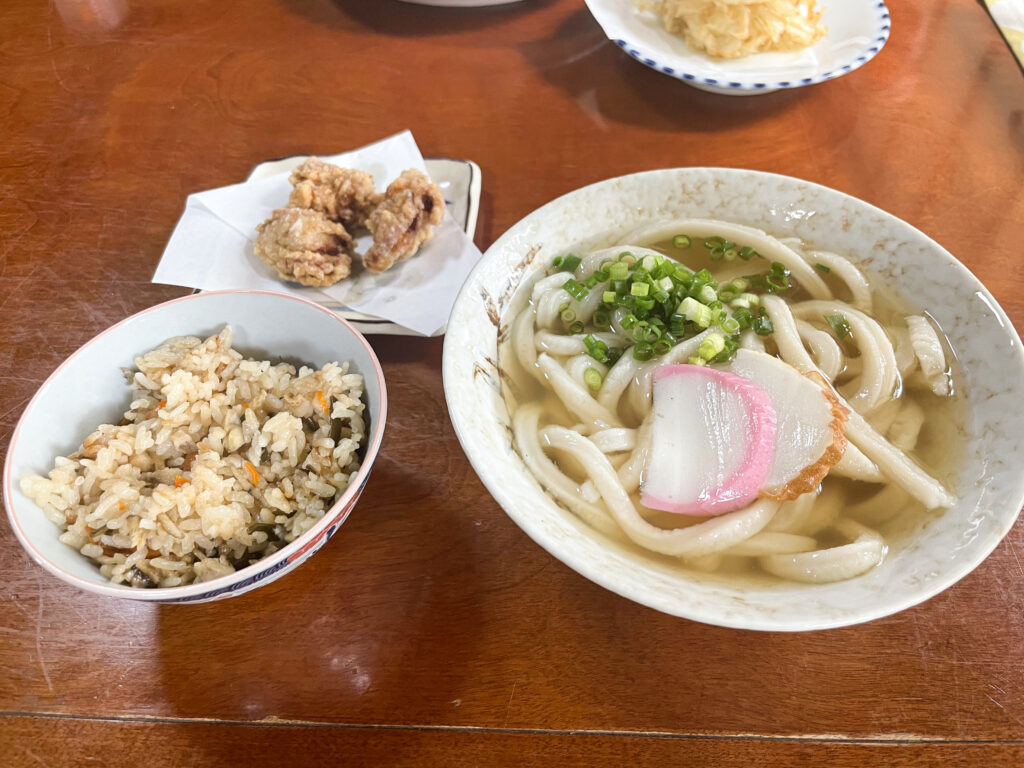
222, 584
578, 560
695, 76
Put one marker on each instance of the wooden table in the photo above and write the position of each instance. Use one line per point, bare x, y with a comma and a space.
431, 630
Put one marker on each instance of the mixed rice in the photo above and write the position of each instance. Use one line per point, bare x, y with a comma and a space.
219, 461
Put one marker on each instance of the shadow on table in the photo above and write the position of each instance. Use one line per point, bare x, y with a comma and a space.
609, 85
392, 17
360, 633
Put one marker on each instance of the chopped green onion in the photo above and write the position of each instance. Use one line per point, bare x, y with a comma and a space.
731, 254
839, 325
663, 269
695, 312
681, 241
777, 278
596, 348
643, 350
697, 360
661, 303
644, 331
822, 268
731, 345
752, 298
743, 317
575, 289
717, 253
747, 253
618, 271
570, 262
704, 277
762, 325
593, 378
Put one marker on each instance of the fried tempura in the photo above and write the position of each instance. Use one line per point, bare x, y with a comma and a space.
729, 29
404, 220
304, 246
342, 194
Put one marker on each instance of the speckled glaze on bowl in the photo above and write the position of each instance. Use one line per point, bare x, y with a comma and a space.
937, 554
88, 389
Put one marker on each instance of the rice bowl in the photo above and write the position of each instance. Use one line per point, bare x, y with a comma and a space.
264, 488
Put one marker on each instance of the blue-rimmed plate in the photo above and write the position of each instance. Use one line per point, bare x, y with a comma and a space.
857, 30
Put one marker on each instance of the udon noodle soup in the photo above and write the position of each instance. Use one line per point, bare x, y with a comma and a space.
585, 358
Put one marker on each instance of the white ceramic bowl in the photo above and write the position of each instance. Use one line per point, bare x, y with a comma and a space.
857, 31
941, 551
89, 389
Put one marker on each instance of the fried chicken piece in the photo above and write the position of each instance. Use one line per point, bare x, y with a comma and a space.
404, 220
342, 194
305, 246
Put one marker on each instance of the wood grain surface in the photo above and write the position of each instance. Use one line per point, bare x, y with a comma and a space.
431, 630
77, 743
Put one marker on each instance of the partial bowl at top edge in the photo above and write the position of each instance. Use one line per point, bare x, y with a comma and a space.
88, 389
950, 545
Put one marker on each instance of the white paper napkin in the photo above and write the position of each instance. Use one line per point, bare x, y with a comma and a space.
211, 247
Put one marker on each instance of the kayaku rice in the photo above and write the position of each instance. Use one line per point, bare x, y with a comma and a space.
219, 461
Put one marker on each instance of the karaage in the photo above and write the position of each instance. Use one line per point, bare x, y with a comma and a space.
342, 194
304, 246
404, 220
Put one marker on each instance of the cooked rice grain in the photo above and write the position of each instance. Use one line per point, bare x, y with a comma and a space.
219, 461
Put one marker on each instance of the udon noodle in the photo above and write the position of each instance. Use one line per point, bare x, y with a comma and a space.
579, 388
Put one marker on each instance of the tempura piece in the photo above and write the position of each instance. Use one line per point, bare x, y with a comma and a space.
811, 428
729, 29
342, 194
304, 246
404, 221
